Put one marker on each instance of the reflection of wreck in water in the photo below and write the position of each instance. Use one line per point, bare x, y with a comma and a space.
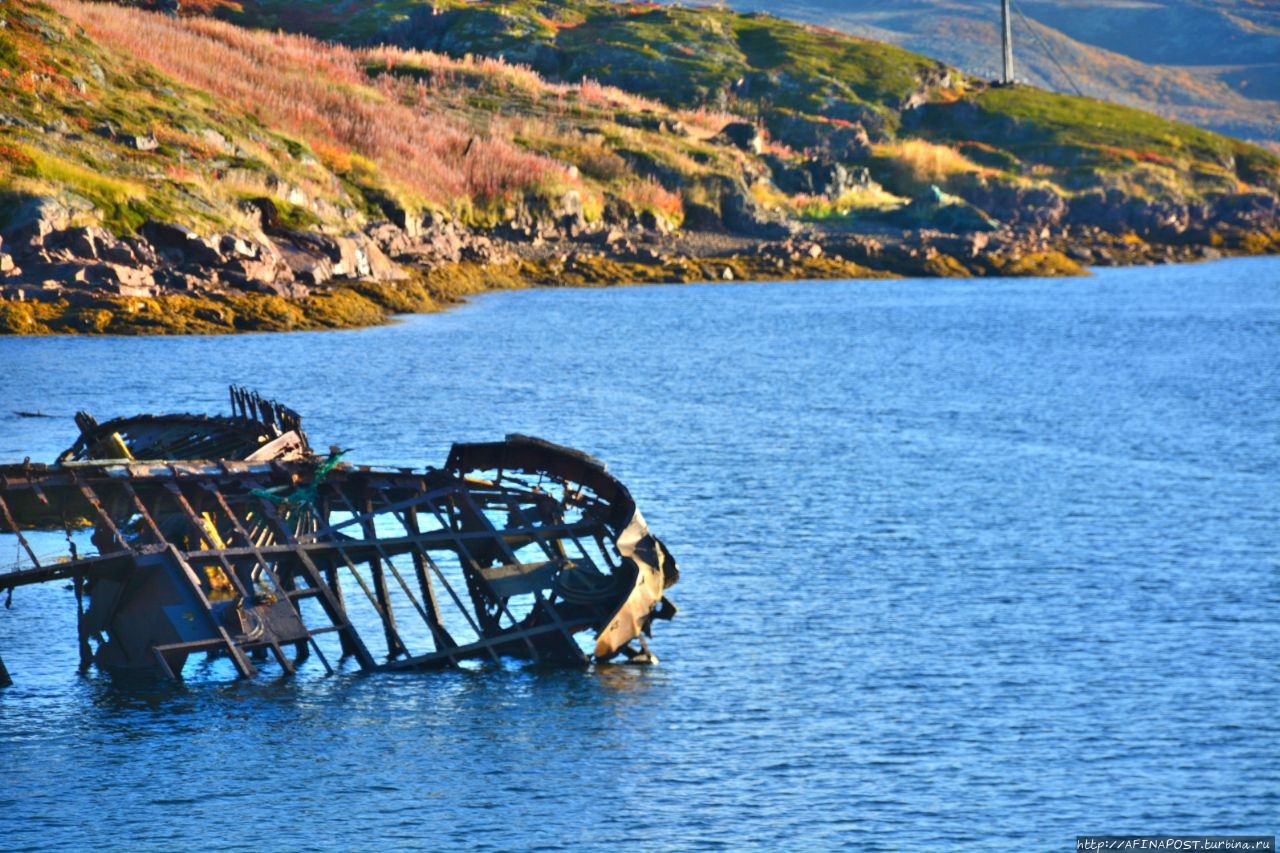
189, 534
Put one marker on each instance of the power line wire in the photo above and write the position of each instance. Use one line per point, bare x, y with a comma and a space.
1047, 51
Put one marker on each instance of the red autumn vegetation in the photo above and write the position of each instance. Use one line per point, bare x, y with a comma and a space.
321, 94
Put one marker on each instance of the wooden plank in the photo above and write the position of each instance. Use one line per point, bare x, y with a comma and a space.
13, 526
338, 616
439, 633
514, 579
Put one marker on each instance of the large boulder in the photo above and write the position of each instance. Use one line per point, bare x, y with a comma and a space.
359, 257
267, 274
305, 255
842, 141
442, 244
316, 258
32, 221
181, 245
257, 265
571, 210
935, 209
125, 280
1020, 206
647, 166
817, 176
742, 135
392, 239
742, 214
93, 242
1257, 211
1172, 220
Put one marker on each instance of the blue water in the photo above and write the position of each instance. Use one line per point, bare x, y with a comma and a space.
966, 565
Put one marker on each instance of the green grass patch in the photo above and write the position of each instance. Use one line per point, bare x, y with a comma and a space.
1066, 134
124, 204
829, 64
8, 52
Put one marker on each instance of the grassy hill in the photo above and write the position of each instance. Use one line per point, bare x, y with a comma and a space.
289, 163
1213, 63
146, 116
806, 84
122, 120
234, 114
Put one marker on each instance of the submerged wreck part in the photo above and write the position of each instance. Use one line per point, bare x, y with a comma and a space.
259, 430
514, 548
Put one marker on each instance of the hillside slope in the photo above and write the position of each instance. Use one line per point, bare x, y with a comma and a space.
812, 88
145, 155
1213, 63
851, 99
224, 178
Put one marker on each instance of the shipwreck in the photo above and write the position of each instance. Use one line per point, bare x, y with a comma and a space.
229, 536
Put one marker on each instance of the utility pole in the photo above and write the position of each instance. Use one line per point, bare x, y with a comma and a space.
1007, 41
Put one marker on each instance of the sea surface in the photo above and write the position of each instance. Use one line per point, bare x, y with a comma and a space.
966, 565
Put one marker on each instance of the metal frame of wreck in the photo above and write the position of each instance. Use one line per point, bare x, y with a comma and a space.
525, 545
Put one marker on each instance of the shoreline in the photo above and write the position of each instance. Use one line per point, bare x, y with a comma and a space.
606, 258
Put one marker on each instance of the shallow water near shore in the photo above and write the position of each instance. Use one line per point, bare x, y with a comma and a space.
965, 564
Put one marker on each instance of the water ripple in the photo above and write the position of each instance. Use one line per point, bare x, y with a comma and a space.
967, 565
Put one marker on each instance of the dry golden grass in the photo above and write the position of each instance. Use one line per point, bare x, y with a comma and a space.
856, 201
917, 163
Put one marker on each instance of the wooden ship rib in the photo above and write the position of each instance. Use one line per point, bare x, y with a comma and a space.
229, 536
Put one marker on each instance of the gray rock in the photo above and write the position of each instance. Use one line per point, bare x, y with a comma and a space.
648, 166
392, 240
7, 120
743, 135
33, 221
171, 279
306, 257
849, 141
90, 243
571, 210
266, 274
216, 141
741, 214
818, 176
236, 246
181, 244
126, 281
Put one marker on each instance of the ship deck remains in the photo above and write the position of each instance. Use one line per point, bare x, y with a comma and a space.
228, 536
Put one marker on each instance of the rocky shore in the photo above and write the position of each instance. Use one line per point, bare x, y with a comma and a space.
58, 277
128, 205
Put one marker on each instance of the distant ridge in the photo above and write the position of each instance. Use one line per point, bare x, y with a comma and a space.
1212, 63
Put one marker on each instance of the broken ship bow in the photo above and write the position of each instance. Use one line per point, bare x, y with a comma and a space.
229, 536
